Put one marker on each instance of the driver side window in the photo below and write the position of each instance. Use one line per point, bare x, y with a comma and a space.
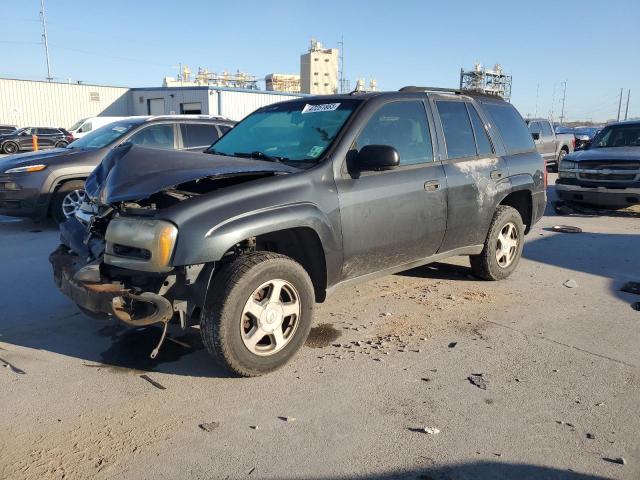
403, 126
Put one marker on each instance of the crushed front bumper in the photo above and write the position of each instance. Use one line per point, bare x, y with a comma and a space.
83, 284
598, 195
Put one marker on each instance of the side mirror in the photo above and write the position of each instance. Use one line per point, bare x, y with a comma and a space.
536, 136
376, 157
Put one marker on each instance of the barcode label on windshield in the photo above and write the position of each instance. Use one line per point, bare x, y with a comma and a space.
323, 107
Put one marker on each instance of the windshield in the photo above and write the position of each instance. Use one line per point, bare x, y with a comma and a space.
77, 125
298, 131
618, 136
103, 136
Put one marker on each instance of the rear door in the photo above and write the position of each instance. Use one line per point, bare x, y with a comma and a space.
393, 217
46, 137
472, 168
158, 135
197, 137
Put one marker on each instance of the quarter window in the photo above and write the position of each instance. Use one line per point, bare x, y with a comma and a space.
514, 133
155, 136
458, 133
482, 139
403, 126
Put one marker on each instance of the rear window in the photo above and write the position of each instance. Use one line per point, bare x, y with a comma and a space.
514, 133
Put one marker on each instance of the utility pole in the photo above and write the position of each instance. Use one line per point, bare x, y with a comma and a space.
626, 110
341, 47
535, 115
564, 96
619, 105
46, 40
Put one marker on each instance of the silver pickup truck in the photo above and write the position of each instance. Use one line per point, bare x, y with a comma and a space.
551, 145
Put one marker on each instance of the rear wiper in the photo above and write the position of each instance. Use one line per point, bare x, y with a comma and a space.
261, 156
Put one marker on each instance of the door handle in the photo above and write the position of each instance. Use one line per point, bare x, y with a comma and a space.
496, 174
432, 185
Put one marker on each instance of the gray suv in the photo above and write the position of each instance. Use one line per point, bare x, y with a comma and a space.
51, 183
300, 198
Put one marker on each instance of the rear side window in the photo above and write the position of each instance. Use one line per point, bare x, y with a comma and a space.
514, 133
458, 133
198, 134
155, 136
403, 126
546, 129
482, 139
224, 128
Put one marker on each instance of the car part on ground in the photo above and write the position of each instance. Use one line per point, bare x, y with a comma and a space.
244, 239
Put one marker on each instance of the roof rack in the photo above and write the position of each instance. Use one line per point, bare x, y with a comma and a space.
457, 91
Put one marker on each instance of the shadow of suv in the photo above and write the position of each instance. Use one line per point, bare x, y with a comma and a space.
51, 183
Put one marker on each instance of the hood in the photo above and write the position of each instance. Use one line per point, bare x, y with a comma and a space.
33, 158
131, 172
619, 154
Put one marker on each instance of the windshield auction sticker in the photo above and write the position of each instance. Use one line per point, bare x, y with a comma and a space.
323, 107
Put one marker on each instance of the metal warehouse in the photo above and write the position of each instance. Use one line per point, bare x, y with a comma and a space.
39, 103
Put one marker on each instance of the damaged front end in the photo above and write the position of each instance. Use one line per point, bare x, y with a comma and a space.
115, 257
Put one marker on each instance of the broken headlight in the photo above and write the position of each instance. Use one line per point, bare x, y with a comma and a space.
140, 244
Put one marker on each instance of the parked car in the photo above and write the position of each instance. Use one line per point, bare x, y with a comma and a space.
606, 173
584, 136
22, 139
551, 145
7, 129
86, 125
300, 198
52, 182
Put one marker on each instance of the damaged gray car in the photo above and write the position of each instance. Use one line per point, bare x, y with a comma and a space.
300, 198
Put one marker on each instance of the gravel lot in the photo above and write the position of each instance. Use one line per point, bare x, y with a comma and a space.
560, 369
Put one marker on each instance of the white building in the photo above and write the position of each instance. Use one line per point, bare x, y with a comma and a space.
38, 103
319, 70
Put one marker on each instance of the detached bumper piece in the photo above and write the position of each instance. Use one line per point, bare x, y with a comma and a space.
84, 284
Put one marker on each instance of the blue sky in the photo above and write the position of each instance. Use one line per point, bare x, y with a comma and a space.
592, 45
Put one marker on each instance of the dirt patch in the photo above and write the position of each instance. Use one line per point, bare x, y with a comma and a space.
322, 336
95, 446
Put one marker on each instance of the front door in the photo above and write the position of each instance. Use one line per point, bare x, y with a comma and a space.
548, 142
390, 218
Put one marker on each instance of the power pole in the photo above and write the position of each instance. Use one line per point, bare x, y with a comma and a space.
564, 96
46, 40
341, 47
626, 110
537, 92
619, 106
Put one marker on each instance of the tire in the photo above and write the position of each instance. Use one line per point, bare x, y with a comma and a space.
74, 190
229, 329
491, 264
10, 148
561, 155
61, 144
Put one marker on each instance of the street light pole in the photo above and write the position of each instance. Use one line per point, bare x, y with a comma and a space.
46, 40
626, 110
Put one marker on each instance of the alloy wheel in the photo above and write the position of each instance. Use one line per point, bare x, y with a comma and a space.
507, 245
270, 317
72, 202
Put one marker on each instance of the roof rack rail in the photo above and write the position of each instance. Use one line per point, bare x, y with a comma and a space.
457, 91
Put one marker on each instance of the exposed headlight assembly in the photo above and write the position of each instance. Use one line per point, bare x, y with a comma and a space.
27, 169
140, 244
567, 165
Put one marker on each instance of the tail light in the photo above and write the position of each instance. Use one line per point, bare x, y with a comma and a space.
574, 143
70, 137
545, 174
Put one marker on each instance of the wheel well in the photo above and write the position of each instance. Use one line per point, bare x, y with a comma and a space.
304, 246
522, 202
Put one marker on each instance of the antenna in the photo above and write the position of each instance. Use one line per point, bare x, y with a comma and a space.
46, 40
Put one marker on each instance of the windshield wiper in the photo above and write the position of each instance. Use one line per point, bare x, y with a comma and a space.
213, 151
261, 156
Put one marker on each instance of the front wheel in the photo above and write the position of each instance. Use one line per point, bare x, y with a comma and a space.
10, 148
67, 200
258, 313
503, 246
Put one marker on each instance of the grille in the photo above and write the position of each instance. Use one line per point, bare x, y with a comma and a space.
610, 176
609, 165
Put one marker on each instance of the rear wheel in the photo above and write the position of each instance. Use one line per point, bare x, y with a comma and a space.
10, 148
258, 313
503, 246
67, 200
61, 144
